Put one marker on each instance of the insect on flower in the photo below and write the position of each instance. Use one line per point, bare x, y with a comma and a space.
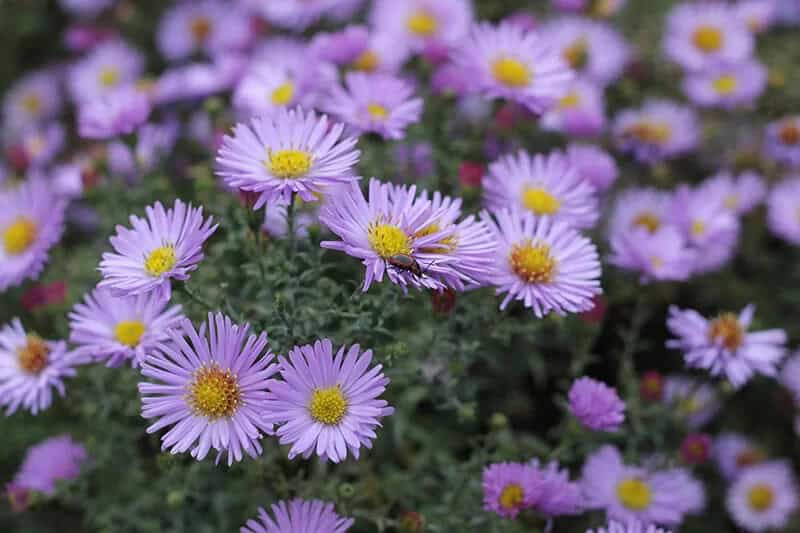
406, 263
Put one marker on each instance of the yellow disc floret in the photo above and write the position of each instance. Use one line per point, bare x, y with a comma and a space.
532, 262
328, 406
200, 28
289, 164
34, 355
422, 23
727, 330
726, 85
108, 77
160, 260
512, 496
511, 72
577, 54
388, 240
760, 497
368, 61
377, 111
540, 201
129, 332
19, 236
214, 393
634, 494
283, 94
647, 220
708, 39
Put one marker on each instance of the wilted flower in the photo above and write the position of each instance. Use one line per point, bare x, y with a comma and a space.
596, 405
299, 516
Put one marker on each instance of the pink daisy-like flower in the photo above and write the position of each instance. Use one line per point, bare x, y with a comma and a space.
763, 497
579, 113
377, 103
167, 244
596, 405
115, 329
660, 129
288, 152
299, 516
420, 23
545, 185
739, 194
546, 264
727, 86
31, 367
210, 26
210, 385
327, 404
31, 222
662, 255
118, 112
508, 488
508, 62
723, 345
54, 459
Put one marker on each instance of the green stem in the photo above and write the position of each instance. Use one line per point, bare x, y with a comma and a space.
184, 287
290, 223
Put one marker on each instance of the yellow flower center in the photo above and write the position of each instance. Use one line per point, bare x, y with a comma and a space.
577, 54
377, 111
109, 77
688, 405
790, 134
444, 246
200, 28
760, 497
634, 494
731, 201
328, 406
725, 85
129, 332
540, 201
160, 260
422, 23
214, 393
283, 94
648, 221
698, 228
368, 61
727, 330
532, 263
19, 236
388, 241
33, 357
650, 132
572, 99
708, 39
31, 103
512, 496
511, 72
289, 164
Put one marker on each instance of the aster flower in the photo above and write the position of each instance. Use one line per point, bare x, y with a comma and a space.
659, 130
707, 32
116, 329
599, 8
154, 141
32, 99
418, 23
739, 194
210, 26
642, 208
545, 185
558, 495
291, 151
383, 53
727, 85
546, 264
118, 112
593, 165
35, 147
31, 368
195, 81
293, 14
507, 62
580, 112
377, 103
723, 345
31, 222
508, 488
167, 244
342, 47
55, 459
763, 497
663, 255
758, 15
327, 403
734, 452
109, 66
299, 516
783, 204
210, 385
637, 493
632, 526
782, 142
692, 400
594, 50
596, 405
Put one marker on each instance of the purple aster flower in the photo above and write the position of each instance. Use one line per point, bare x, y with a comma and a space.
111, 65
154, 141
55, 459
32, 99
734, 452
728, 85
638, 493
558, 496
115, 329
596, 405
290, 152
643, 208
662, 255
699, 34
377, 103
739, 194
31, 367
342, 47
327, 404
210, 26
39, 145
294, 14
196, 81
723, 345
790, 376
115, 113
299, 516
763, 497
788, 12
210, 385
383, 53
695, 401
544, 185
632, 526
85, 8
167, 244
507, 62
783, 204
579, 113
419, 23
31, 222
659, 130
545, 263
594, 50
758, 15
451, 78
593, 165
508, 488
782, 142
